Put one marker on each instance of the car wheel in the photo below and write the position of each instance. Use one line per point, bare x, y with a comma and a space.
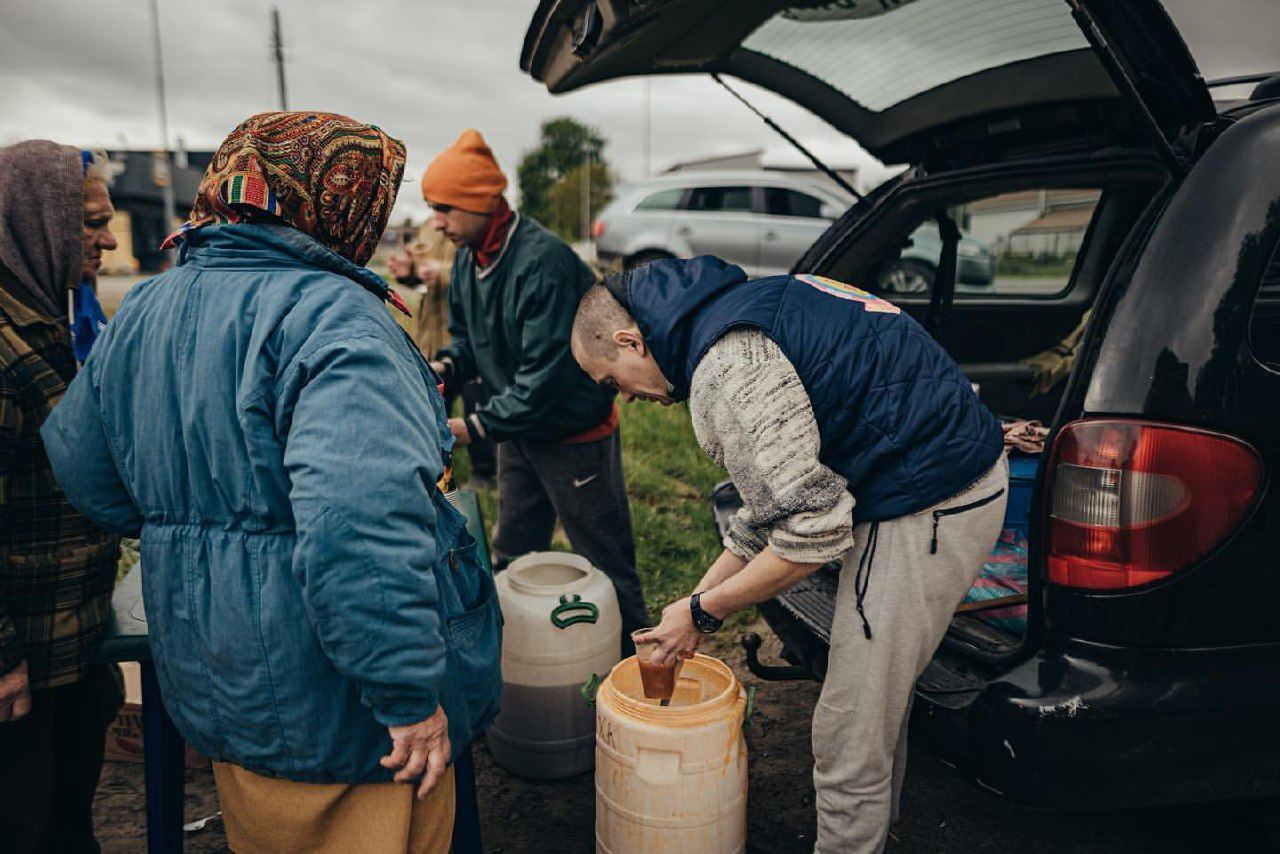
648, 256
906, 276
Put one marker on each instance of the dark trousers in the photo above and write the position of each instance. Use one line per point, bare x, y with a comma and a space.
50, 761
582, 485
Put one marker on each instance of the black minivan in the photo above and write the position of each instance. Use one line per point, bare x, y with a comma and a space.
1078, 138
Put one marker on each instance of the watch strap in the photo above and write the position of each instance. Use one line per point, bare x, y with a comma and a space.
702, 621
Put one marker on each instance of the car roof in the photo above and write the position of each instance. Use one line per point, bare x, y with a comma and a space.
726, 177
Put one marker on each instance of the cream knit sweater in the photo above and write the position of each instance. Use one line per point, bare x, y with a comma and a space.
753, 417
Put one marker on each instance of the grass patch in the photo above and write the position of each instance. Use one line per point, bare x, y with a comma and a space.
669, 481
1027, 266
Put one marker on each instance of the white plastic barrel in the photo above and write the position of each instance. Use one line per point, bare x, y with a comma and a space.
562, 625
671, 778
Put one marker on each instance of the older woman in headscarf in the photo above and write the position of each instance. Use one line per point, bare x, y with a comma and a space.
56, 567
319, 623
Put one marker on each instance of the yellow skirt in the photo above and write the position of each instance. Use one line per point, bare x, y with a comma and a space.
265, 815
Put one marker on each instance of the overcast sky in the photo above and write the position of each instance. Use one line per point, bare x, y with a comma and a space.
81, 72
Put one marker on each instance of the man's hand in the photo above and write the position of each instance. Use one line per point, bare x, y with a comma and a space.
400, 266
675, 635
428, 270
461, 436
420, 747
15, 694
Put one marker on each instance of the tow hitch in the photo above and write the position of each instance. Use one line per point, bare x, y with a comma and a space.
772, 672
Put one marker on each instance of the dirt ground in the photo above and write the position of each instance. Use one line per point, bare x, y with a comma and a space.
941, 809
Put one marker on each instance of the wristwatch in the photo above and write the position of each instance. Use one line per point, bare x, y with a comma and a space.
702, 621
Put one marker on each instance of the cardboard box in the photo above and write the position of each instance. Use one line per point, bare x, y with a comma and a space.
124, 736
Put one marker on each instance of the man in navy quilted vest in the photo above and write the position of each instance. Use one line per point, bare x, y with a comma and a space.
851, 436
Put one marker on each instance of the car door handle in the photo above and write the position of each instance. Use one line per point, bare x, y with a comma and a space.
684, 231
771, 235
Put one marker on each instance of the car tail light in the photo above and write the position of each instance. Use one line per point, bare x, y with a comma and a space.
1130, 503
598, 228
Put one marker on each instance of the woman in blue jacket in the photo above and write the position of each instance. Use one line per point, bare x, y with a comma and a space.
258, 418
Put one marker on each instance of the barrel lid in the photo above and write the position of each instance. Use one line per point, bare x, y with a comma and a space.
550, 573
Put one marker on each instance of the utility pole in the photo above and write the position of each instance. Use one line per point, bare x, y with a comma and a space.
170, 209
648, 124
277, 49
586, 190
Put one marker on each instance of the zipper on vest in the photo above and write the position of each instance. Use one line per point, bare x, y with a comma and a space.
953, 511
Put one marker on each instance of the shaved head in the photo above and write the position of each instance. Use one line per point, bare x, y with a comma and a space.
610, 349
599, 316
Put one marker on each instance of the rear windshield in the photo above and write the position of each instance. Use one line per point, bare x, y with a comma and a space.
880, 57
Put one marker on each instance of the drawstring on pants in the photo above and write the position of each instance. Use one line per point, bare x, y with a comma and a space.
862, 577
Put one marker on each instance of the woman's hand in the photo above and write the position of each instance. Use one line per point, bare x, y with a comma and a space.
420, 750
675, 636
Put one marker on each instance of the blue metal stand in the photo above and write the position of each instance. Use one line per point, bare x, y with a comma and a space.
165, 769
466, 818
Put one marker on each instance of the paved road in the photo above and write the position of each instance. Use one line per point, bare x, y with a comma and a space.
111, 289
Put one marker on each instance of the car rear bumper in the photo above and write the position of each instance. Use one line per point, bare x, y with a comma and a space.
1086, 726
1083, 726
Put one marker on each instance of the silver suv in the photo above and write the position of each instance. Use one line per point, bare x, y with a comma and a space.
762, 221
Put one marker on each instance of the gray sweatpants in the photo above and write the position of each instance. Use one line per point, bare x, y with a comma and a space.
915, 571
582, 485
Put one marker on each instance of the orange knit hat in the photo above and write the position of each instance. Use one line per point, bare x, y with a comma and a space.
465, 175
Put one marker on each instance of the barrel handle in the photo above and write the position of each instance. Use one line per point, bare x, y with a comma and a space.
589, 689
751, 708
572, 610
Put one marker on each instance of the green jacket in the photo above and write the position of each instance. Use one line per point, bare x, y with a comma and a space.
510, 326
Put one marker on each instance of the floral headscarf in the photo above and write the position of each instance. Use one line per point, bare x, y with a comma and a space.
330, 177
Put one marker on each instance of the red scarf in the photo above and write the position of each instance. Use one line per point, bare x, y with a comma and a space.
495, 237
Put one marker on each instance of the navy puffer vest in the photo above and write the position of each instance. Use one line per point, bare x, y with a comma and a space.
897, 418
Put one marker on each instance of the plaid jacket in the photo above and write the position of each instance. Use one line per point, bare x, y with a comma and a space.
57, 568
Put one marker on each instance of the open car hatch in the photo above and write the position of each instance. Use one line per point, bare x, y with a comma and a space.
889, 73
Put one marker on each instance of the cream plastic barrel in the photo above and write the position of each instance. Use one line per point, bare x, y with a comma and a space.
561, 626
673, 778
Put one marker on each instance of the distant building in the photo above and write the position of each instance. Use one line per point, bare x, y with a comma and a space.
138, 196
1034, 223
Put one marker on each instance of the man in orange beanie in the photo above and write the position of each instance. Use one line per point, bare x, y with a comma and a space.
515, 288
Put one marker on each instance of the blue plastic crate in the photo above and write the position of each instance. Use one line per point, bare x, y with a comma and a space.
1022, 482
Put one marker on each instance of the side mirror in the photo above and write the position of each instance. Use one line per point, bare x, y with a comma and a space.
830, 210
